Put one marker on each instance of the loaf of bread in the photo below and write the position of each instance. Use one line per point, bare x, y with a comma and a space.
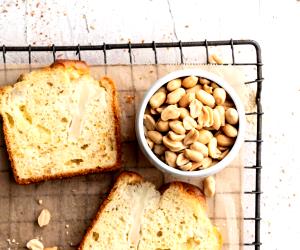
136, 216
59, 121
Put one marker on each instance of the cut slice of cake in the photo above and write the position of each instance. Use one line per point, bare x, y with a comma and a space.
59, 121
136, 216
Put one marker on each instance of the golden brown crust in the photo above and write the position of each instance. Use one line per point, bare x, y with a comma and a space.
82, 67
133, 178
189, 189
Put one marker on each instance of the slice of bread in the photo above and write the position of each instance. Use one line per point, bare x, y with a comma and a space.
59, 122
136, 216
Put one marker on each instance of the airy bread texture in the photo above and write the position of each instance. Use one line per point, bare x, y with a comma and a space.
136, 216
59, 121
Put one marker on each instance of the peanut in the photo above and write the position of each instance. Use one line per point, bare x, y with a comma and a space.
170, 112
157, 99
35, 244
205, 136
208, 89
193, 155
200, 147
186, 99
205, 98
217, 120
174, 84
175, 137
187, 167
162, 89
177, 127
206, 163
228, 104
183, 112
229, 130
232, 116
195, 108
159, 149
170, 158
174, 146
44, 218
174, 96
181, 160
189, 81
196, 165
223, 155
219, 95
214, 59
208, 116
191, 137
224, 140
150, 143
213, 151
209, 185
221, 111
162, 126
204, 81
153, 112
189, 123
214, 85
194, 89
149, 122
160, 109
155, 136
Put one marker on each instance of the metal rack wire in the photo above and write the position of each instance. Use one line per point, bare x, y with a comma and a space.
256, 192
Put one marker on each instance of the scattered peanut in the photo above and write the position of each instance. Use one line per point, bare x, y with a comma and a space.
230, 131
169, 113
157, 99
174, 84
35, 244
186, 99
149, 122
209, 185
170, 158
44, 218
189, 81
181, 160
190, 123
193, 155
219, 95
205, 98
232, 116
174, 96
155, 136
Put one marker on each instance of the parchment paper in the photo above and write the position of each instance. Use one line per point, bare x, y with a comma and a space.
73, 202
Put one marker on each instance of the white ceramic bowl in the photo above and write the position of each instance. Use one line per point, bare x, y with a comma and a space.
199, 173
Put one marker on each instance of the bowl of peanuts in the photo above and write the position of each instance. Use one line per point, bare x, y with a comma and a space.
190, 123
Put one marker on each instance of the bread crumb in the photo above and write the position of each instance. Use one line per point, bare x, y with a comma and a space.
67, 225
44, 218
129, 99
40, 202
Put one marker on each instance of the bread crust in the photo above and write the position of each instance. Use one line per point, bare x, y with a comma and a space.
82, 68
132, 179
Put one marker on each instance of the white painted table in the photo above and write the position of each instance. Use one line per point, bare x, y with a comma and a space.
274, 24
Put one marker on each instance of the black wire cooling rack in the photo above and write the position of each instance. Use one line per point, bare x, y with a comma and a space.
208, 45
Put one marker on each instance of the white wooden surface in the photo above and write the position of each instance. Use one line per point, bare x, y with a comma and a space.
275, 24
